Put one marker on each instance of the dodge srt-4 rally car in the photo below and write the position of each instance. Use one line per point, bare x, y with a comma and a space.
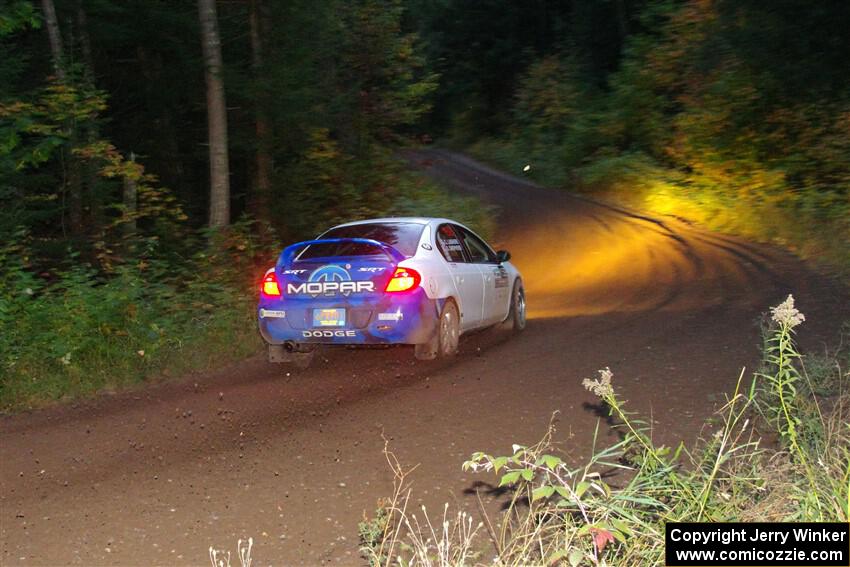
416, 281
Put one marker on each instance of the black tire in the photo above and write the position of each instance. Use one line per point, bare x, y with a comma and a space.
518, 316
448, 330
444, 343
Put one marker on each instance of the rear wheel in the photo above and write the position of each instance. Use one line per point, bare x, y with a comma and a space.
449, 330
445, 340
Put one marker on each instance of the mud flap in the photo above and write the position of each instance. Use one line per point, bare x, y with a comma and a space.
428, 350
277, 353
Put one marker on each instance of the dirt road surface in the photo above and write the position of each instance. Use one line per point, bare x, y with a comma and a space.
293, 458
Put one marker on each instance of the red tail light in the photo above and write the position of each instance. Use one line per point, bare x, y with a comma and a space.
270, 286
404, 279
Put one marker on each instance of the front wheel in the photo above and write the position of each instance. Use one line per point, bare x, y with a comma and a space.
446, 339
518, 307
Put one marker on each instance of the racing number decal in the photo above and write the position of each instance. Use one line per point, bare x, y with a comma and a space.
449, 244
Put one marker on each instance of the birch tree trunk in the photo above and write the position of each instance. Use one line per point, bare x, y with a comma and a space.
75, 181
55, 37
216, 116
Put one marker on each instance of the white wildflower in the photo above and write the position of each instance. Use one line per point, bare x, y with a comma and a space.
219, 558
244, 551
29, 291
140, 352
601, 387
66, 360
786, 314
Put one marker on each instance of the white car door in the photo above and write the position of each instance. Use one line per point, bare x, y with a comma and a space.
495, 278
468, 279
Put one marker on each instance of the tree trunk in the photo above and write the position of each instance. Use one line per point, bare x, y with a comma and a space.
75, 188
622, 21
75, 181
216, 116
85, 42
95, 201
168, 152
55, 37
130, 200
263, 162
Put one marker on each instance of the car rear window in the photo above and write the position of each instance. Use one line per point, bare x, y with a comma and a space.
403, 236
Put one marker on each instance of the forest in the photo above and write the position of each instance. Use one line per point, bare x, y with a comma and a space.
156, 154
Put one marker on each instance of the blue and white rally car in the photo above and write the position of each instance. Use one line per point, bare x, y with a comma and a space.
417, 281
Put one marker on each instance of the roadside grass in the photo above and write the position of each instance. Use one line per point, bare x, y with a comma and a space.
804, 222
586, 515
77, 331
76, 328
422, 197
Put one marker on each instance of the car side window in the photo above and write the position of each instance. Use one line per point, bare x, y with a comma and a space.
448, 241
479, 252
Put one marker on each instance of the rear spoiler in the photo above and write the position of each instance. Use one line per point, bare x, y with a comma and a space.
289, 252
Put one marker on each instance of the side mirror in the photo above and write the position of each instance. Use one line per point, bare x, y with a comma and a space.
503, 256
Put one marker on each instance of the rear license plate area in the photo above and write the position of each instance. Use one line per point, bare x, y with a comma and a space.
329, 317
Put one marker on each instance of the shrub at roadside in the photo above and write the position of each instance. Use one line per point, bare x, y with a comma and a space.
77, 330
585, 515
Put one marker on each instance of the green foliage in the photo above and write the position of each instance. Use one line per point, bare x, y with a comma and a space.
701, 121
109, 279
383, 73
611, 510
337, 86
330, 187
17, 15
75, 331
345, 169
373, 532
41, 138
32, 132
482, 50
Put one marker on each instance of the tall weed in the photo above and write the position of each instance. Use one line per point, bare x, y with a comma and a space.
611, 510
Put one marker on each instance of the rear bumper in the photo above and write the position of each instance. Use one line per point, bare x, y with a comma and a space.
392, 319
